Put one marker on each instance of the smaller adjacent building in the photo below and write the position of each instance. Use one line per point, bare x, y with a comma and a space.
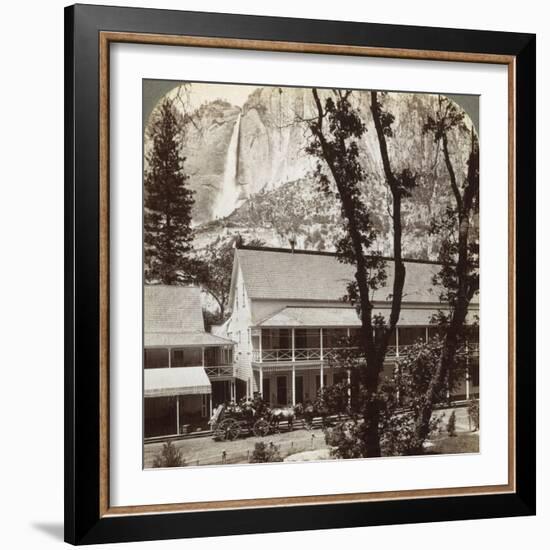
187, 371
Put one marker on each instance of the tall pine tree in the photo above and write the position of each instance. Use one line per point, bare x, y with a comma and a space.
168, 203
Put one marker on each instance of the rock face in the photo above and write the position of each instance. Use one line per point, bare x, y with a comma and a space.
205, 148
272, 142
269, 153
251, 174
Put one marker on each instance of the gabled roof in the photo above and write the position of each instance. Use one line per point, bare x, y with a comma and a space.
173, 317
172, 309
285, 275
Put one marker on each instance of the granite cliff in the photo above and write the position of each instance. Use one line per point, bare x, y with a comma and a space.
251, 174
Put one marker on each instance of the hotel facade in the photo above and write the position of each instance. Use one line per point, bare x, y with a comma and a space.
288, 318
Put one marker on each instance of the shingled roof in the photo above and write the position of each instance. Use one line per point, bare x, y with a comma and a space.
279, 274
173, 317
172, 309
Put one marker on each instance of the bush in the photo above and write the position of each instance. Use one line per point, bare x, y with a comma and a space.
169, 457
473, 413
347, 439
265, 453
334, 399
451, 425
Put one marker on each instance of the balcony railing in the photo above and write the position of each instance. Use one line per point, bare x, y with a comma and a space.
318, 354
219, 371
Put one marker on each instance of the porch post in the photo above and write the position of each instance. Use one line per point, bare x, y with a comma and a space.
396, 342
427, 337
178, 414
293, 345
169, 357
261, 382
202, 349
210, 396
293, 385
321, 381
321, 341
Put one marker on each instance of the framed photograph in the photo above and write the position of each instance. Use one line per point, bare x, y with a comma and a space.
299, 274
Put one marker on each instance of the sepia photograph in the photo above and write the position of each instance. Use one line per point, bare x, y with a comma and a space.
310, 274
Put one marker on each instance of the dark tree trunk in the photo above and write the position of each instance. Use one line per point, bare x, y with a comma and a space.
374, 352
464, 293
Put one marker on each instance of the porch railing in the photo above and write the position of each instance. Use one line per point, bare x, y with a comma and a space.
316, 354
219, 371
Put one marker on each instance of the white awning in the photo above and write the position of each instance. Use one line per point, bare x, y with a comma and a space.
176, 381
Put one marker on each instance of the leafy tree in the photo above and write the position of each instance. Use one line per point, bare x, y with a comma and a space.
214, 267
168, 202
210, 318
334, 399
402, 399
169, 457
336, 129
459, 253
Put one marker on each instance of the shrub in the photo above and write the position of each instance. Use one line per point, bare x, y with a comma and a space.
451, 425
473, 413
169, 457
334, 399
346, 439
265, 453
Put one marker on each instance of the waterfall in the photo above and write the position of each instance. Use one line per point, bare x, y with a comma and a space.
228, 197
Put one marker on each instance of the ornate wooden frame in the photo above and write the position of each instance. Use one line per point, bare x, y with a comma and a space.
89, 518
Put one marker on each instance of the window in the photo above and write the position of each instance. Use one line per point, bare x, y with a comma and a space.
277, 338
307, 338
218, 356
187, 357
156, 358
